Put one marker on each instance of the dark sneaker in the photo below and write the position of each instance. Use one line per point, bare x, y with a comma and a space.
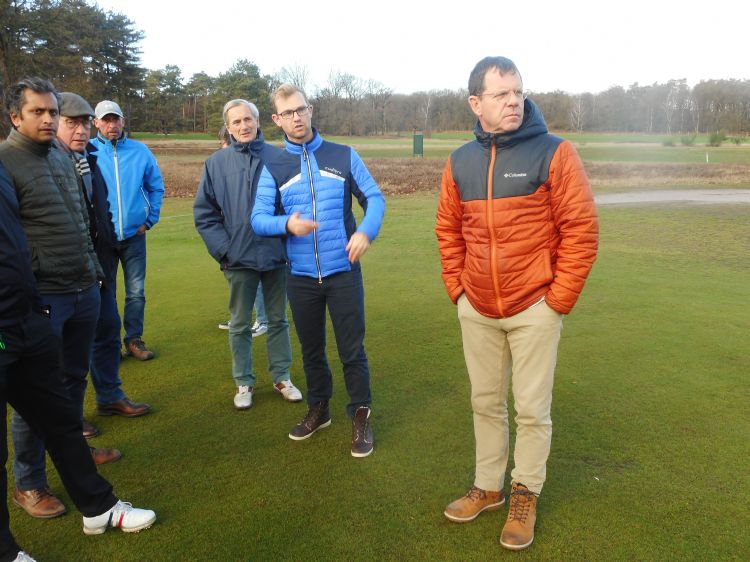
362, 439
137, 348
476, 501
518, 532
89, 429
317, 418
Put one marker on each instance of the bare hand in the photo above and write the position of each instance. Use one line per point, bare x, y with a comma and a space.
300, 227
358, 244
141, 230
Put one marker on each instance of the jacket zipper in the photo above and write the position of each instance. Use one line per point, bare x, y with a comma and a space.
306, 158
117, 183
491, 227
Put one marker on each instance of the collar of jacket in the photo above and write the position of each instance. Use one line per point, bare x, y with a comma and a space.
106, 141
24, 143
311, 146
532, 125
253, 147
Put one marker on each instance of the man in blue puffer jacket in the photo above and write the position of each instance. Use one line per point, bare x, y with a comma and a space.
136, 190
222, 206
306, 195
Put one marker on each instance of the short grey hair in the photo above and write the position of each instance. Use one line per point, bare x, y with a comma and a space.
234, 103
502, 64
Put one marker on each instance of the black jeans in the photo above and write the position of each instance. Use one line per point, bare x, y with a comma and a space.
344, 296
30, 381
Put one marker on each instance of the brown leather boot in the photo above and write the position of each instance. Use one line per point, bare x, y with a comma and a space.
137, 348
39, 503
518, 532
473, 503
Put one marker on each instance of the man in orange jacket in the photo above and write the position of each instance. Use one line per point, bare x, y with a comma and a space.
518, 233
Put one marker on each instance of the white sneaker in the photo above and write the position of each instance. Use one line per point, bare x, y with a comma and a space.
225, 325
123, 515
290, 392
23, 557
259, 329
244, 397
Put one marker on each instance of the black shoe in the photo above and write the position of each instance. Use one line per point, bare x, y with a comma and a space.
362, 438
317, 417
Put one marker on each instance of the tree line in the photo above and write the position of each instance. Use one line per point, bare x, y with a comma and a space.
81, 48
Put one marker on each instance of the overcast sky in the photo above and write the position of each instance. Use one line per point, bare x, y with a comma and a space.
571, 45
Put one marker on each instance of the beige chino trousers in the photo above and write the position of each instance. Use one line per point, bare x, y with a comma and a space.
521, 349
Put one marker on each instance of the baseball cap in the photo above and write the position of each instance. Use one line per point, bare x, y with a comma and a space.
73, 105
106, 107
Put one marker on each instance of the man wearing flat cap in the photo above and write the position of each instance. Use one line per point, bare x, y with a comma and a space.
73, 136
136, 189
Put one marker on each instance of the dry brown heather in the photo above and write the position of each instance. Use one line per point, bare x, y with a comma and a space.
182, 165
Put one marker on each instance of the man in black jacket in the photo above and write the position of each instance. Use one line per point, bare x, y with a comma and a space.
30, 381
73, 136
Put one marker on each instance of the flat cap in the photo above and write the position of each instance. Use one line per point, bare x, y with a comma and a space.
73, 105
107, 107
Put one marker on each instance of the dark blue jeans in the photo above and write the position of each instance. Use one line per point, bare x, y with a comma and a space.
343, 295
31, 383
105, 353
73, 321
132, 255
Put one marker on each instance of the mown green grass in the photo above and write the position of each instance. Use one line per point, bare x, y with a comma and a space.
650, 411
606, 147
657, 154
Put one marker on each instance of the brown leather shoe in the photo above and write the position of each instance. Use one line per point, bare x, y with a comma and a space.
137, 348
518, 532
473, 503
39, 503
89, 429
105, 456
125, 407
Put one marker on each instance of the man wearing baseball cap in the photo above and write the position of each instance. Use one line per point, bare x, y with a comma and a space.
73, 136
136, 189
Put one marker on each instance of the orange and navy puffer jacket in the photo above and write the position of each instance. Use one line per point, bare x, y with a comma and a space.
516, 220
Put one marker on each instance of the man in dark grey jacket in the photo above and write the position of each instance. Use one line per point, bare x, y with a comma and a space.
30, 382
222, 210
54, 217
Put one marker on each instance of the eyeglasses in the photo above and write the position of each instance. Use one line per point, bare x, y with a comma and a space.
504, 96
301, 111
74, 123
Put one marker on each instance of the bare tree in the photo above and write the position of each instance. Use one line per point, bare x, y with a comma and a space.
379, 97
577, 113
297, 74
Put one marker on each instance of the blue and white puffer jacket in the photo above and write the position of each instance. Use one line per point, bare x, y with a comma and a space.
134, 183
317, 180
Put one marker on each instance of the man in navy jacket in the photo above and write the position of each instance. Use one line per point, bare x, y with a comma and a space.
306, 195
222, 207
